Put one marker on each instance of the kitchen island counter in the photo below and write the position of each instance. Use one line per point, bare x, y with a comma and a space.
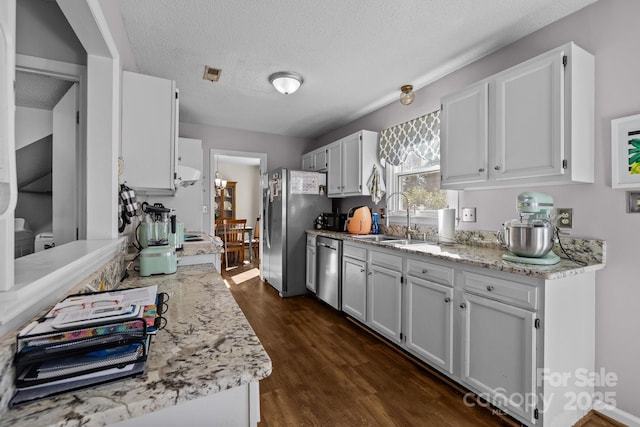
487, 255
207, 349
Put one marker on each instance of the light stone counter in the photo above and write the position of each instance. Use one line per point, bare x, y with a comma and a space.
206, 348
475, 248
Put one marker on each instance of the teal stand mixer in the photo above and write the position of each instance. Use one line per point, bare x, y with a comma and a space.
530, 238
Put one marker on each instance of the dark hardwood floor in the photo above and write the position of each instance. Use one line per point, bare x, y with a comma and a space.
328, 371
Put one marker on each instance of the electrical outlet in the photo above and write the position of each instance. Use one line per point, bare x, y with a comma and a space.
205, 209
468, 214
565, 218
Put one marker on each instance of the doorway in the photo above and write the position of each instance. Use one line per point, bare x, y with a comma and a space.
241, 172
49, 153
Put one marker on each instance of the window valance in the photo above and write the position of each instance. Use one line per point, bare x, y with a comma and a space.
420, 135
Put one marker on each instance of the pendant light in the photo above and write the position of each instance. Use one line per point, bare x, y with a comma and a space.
285, 82
407, 95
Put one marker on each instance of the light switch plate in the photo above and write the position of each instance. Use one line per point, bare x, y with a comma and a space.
468, 214
633, 201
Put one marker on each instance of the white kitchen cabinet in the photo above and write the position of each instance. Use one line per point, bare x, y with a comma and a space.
384, 294
350, 162
499, 353
506, 337
310, 270
428, 313
354, 288
532, 124
464, 127
149, 133
315, 161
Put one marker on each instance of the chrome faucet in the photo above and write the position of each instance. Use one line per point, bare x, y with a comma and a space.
408, 233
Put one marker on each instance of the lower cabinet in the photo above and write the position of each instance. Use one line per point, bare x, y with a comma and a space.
384, 301
505, 337
499, 353
429, 321
310, 270
354, 288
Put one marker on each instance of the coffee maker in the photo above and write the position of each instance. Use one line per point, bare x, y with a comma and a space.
158, 237
530, 238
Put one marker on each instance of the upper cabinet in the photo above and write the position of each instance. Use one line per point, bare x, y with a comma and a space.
149, 133
315, 160
532, 124
350, 162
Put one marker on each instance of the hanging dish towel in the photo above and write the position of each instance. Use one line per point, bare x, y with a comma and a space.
376, 185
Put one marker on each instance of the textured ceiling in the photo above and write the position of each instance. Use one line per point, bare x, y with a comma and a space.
39, 91
353, 54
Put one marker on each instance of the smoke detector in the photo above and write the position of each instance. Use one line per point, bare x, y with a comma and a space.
211, 74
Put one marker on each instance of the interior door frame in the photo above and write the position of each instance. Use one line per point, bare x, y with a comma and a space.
213, 153
77, 74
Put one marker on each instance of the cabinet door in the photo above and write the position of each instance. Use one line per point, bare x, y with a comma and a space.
352, 164
311, 268
529, 130
149, 133
354, 288
320, 159
499, 353
308, 162
384, 301
429, 321
464, 137
334, 169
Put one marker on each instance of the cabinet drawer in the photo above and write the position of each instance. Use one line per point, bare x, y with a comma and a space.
513, 293
311, 239
354, 251
386, 259
429, 271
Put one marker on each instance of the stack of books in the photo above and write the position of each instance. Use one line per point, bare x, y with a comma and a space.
85, 340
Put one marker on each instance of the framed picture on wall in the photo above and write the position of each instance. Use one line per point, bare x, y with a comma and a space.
625, 152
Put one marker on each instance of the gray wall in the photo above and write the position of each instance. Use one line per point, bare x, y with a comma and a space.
43, 31
609, 30
282, 151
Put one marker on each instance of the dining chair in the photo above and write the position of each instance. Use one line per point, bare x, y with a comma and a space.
232, 232
254, 243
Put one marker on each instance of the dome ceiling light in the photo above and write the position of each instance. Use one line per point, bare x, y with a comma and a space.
285, 82
407, 96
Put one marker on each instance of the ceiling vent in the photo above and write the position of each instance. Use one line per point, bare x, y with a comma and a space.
211, 74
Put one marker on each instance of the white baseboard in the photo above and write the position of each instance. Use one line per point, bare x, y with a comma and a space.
616, 414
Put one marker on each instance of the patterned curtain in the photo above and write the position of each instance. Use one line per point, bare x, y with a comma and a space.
420, 135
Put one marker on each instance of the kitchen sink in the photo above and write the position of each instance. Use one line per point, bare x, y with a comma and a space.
374, 237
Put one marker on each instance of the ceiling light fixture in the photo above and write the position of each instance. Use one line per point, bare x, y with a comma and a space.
407, 96
285, 82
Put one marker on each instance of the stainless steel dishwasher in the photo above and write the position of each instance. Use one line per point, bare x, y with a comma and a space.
329, 287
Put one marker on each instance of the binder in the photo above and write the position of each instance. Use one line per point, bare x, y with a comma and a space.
26, 395
78, 364
86, 340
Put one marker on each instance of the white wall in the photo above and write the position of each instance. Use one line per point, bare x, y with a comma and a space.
32, 124
607, 29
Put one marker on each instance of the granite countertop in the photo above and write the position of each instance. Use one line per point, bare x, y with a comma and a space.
592, 252
207, 346
200, 244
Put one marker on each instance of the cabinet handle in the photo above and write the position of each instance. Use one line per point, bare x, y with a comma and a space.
463, 305
447, 299
481, 170
497, 168
425, 271
363, 270
490, 288
370, 273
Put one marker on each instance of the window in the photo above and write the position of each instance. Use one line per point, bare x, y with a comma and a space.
411, 152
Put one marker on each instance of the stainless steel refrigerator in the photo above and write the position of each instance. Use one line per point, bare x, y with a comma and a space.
292, 200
